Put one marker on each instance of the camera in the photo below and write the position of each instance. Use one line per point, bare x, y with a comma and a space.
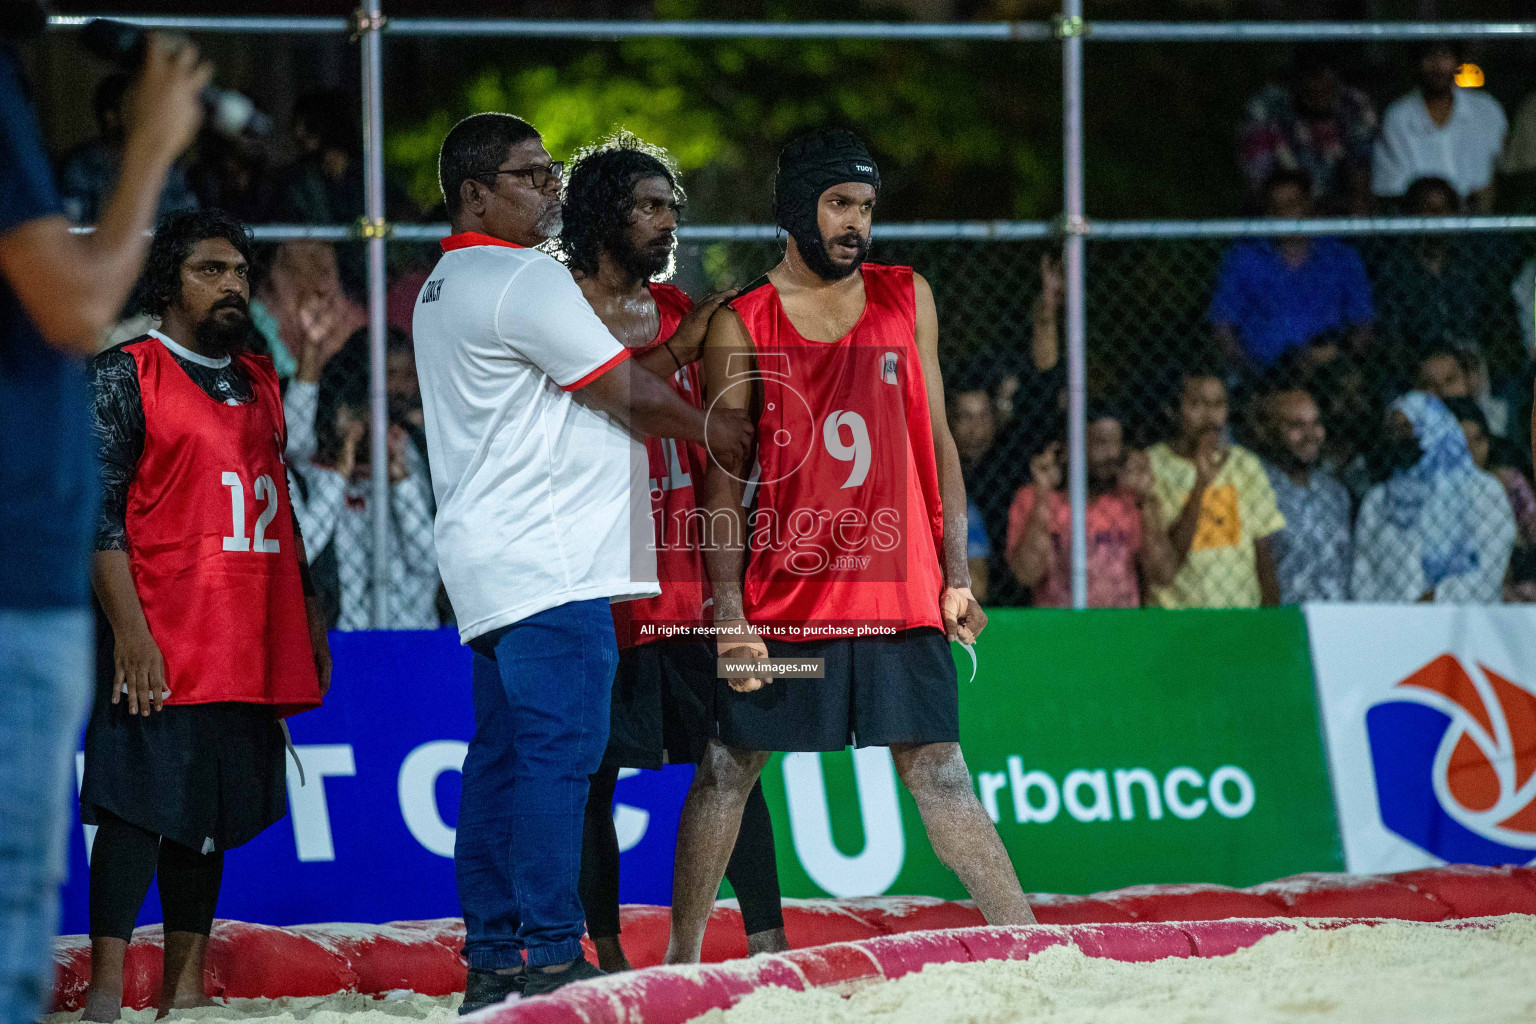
230, 113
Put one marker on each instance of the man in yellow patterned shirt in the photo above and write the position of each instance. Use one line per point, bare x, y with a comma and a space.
1217, 504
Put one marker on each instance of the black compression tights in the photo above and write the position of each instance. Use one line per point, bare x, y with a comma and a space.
753, 870
125, 858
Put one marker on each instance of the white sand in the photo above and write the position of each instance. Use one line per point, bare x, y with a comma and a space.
1392, 973
395, 1008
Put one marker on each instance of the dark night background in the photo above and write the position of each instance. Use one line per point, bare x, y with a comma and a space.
968, 130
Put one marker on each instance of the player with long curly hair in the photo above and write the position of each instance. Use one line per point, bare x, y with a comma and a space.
622, 201
210, 632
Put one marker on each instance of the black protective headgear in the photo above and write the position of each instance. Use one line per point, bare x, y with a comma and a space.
809, 166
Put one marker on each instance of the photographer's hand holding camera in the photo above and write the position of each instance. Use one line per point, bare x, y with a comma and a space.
72, 287
59, 294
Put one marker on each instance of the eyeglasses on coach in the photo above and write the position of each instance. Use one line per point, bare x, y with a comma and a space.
536, 176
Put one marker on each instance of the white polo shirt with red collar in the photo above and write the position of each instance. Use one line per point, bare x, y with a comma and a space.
541, 500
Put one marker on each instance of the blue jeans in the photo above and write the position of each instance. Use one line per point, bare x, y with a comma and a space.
541, 692
45, 689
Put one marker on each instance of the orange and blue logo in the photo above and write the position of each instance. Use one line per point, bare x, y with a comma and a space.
1454, 751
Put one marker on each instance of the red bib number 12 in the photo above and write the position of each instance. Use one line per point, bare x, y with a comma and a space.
266, 490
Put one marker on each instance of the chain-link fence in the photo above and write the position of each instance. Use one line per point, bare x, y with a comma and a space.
1249, 413
1190, 355
1384, 384
1239, 420
1188, 359
314, 318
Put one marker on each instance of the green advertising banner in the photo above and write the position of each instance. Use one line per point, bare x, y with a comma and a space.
1112, 748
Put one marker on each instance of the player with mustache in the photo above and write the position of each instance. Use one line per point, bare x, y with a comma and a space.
847, 543
212, 633
622, 202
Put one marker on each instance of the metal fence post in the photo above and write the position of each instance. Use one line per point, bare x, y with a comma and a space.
370, 24
1071, 28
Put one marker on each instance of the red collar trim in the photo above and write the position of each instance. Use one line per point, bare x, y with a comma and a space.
465, 239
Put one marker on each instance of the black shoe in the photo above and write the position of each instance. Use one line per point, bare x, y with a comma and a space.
542, 983
487, 988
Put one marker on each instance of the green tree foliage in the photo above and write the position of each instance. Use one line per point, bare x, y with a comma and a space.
944, 118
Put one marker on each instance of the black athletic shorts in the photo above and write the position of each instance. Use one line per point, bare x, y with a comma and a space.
189, 772
663, 704
878, 691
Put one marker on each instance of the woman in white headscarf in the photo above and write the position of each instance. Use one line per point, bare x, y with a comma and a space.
1438, 528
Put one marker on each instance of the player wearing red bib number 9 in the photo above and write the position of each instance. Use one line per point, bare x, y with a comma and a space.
210, 635
622, 201
846, 544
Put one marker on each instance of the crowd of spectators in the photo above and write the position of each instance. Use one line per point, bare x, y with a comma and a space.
1428, 505
1332, 433
1316, 124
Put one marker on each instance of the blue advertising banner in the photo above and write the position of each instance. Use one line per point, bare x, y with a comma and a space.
369, 837
1085, 796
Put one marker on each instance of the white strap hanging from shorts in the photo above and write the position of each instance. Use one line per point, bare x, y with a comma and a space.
970, 649
288, 743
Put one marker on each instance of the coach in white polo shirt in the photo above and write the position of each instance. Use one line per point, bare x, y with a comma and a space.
530, 404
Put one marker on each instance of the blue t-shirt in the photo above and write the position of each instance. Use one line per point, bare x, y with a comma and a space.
48, 475
1275, 307
976, 543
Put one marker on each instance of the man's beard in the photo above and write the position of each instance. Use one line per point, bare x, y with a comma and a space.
550, 222
1102, 483
1437, 88
1290, 462
817, 258
646, 262
225, 333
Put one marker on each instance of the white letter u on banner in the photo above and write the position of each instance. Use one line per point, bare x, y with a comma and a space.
870, 872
